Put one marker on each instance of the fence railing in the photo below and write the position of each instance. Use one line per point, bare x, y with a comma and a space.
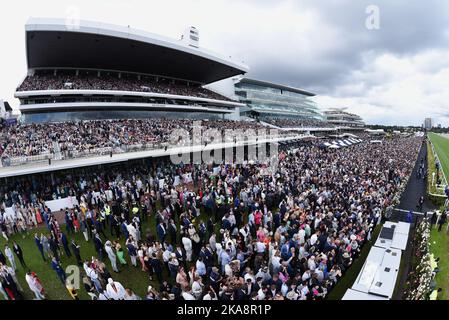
16, 161
74, 154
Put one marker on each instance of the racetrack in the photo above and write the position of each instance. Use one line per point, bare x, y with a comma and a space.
441, 145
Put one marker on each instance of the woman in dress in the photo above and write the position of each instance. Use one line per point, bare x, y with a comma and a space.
141, 254
120, 253
76, 222
38, 215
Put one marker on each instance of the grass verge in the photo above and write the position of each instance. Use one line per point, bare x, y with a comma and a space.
439, 246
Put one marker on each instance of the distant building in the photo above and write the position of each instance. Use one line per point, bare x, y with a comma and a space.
428, 123
101, 71
343, 119
267, 100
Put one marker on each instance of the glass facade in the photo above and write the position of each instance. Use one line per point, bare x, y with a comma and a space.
342, 118
265, 101
112, 114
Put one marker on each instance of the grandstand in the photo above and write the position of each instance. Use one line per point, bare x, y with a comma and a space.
279, 105
101, 71
101, 90
99, 105
344, 120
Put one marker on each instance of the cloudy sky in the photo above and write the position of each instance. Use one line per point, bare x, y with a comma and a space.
394, 73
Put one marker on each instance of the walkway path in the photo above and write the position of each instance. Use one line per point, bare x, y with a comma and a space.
414, 190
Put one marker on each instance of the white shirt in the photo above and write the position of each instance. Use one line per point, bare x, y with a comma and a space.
197, 289
110, 252
9, 253
187, 243
313, 239
260, 247
116, 295
187, 296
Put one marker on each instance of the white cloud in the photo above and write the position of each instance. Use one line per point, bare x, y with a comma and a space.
405, 90
388, 76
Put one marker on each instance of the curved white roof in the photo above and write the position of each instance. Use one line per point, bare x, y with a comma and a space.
53, 43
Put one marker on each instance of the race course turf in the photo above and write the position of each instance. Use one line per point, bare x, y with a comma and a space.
441, 146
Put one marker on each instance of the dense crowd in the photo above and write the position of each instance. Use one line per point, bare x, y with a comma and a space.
298, 123
225, 232
72, 138
107, 81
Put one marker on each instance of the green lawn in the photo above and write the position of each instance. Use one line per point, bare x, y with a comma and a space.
129, 276
439, 244
439, 241
441, 146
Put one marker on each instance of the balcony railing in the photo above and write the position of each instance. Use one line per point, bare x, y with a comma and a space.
92, 152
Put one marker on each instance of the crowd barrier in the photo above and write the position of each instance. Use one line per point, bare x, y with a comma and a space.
73, 154
53, 205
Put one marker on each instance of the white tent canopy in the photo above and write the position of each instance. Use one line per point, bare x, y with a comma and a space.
379, 273
336, 144
357, 295
398, 235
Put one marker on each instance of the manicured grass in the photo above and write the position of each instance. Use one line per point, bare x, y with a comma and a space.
129, 276
350, 276
439, 241
441, 146
439, 245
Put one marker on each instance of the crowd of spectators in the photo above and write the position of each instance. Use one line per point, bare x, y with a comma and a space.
225, 231
107, 81
72, 138
299, 123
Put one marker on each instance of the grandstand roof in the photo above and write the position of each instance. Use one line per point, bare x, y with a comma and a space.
277, 86
54, 44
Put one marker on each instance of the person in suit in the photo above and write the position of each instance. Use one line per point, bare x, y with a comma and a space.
2, 258
59, 270
39, 245
161, 232
172, 230
115, 226
131, 245
19, 253
98, 245
99, 228
442, 220
54, 247
10, 283
65, 244
76, 252
156, 264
